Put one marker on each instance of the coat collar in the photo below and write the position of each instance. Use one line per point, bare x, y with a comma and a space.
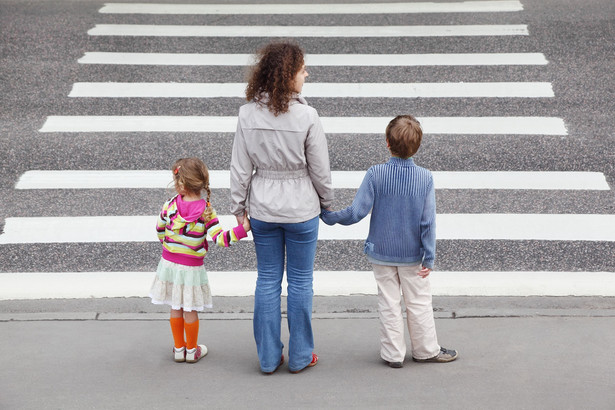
401, 162
263, 98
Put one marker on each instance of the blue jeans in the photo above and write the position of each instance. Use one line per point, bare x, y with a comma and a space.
274, 241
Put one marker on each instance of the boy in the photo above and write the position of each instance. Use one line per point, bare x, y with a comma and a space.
401, 244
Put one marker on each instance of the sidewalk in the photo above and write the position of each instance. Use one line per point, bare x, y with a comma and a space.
558, 357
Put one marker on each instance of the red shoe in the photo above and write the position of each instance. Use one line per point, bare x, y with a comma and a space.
280, 364
311, 364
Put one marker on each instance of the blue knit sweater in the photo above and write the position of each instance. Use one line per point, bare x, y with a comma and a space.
402, 228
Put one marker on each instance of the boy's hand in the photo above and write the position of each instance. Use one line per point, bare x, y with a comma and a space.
424, 272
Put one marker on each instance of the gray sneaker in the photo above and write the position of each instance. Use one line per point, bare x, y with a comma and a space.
444, 356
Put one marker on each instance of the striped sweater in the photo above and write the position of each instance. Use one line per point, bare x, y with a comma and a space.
184, 241
402, 227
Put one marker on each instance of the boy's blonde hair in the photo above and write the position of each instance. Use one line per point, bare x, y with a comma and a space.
404, 135
192, 175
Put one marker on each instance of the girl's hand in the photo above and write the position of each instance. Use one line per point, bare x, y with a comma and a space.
246, 223
424, 272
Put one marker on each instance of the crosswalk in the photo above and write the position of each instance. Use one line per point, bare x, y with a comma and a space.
324, 60
308, 31
107, 229
333, 125
220, 179
323, 90
493, 226
326, 283
362, 8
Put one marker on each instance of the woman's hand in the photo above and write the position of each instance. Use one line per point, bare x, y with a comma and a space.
246, 224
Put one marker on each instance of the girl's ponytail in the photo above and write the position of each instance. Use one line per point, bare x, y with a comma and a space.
209, 210
192, 175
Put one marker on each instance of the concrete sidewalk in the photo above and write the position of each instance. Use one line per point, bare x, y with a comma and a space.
525, 361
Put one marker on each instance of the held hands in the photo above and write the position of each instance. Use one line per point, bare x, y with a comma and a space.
323, 215
246, 224
424, 272
244, 221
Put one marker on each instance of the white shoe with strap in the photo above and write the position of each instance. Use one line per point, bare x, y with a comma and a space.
194, 355
180, 354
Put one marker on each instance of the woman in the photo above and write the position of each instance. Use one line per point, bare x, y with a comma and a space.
280, 175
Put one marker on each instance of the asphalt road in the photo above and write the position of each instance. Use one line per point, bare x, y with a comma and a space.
42, 42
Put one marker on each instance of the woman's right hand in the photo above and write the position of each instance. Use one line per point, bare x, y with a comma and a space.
245, 222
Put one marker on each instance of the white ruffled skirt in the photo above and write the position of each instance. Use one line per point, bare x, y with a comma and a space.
181, 287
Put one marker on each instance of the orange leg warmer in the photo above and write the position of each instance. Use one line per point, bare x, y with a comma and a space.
192, 334
177, 327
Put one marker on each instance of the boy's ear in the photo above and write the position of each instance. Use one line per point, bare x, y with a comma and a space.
388, 145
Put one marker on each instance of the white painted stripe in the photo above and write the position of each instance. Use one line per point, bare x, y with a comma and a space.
402, 60
354, 8
333, 90
548, 180
105, 179
308, 31
548, 227
69, 285
332, 125
155, 90
90, 229
220, 179
96, 57
118, 123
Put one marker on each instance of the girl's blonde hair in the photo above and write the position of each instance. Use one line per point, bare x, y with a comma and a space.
192, 175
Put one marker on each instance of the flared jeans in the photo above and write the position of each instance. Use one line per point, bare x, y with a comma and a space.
275, 244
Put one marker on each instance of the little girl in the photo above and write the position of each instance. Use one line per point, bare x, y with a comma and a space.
181, 279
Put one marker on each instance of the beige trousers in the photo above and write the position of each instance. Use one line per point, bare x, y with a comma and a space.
419, 313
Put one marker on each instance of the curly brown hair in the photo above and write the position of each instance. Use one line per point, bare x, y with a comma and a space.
273, 75
191, 174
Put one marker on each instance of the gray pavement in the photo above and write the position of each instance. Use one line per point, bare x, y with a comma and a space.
515, 353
